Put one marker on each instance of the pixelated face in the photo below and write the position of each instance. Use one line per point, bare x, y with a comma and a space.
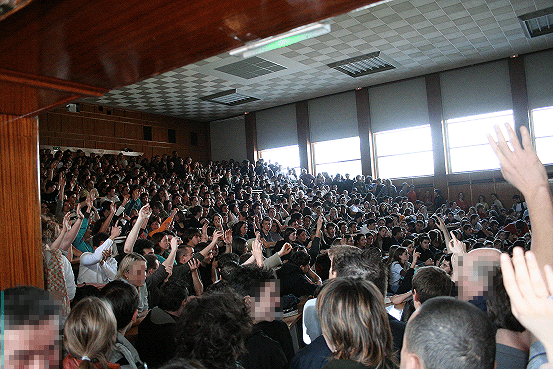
264, 306
137, 273
32, 346
474, 272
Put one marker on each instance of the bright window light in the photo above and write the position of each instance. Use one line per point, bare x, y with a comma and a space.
338, 156
404, 152
467, 144
542, 124
286, 156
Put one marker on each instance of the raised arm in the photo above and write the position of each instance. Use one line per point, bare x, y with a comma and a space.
442, 227
208, 248
72, 232
143, 215
107, 222
522, 168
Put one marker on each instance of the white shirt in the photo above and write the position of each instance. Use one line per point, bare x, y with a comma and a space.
92, 270
310, 321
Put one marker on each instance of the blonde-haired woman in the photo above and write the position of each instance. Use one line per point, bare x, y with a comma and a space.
89, 333
133, 269
355, 325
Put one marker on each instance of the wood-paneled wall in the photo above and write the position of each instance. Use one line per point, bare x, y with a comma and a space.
107, 128
20, 237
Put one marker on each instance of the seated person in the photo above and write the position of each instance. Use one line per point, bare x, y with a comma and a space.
89, 335
123, 298
217, 342
156, 334
294, 275
465, 340
270, 344
428, 282
99, 267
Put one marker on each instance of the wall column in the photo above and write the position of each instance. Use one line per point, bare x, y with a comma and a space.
517, 76
435, 115
365, 132
251, 137
20, 231
304, 140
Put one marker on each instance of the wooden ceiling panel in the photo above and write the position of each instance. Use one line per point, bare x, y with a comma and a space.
112, 43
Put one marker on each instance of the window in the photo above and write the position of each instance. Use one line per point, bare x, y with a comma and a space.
338, 156
404, 152
543, 133
468, 147
286, 156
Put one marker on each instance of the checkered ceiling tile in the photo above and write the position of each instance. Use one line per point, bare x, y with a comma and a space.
416, 36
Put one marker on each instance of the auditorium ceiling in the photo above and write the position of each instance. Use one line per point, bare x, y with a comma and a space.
417, 37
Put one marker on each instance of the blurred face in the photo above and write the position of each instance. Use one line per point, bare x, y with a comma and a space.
137, 273
244, 229
264, 306
33, 346
302, 237
410, 248
266, 225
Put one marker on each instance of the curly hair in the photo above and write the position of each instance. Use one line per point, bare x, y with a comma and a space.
213, 329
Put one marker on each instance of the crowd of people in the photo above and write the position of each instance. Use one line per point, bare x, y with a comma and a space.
201, 260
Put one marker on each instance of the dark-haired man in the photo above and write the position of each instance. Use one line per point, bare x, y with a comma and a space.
448, 334
123, 298
156, 334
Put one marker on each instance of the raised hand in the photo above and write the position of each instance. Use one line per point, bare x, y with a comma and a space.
66, 224
521, 166
530, 294
456, 246
228, 236
194, 264
145, 212
216, 236
115, 231
174, 243
78, 211
286, 248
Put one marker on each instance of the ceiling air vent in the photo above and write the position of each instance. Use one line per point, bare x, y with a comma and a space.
230, 98
537, 23
251, 68
362, 65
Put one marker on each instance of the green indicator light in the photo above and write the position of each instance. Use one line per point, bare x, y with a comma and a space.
284, 42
